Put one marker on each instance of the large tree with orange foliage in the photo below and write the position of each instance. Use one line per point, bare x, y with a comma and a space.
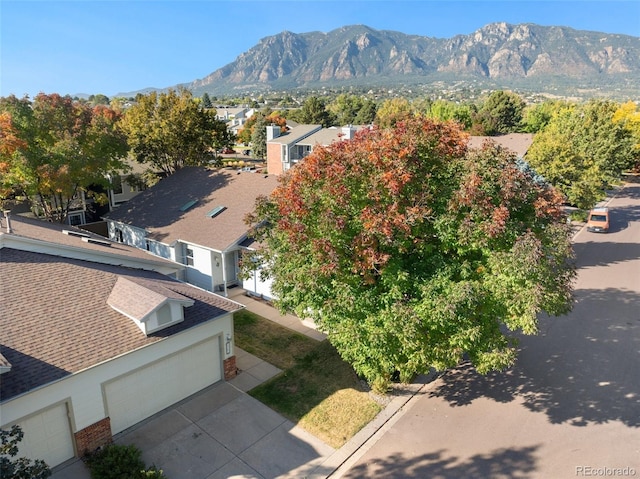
56, 148
411, 251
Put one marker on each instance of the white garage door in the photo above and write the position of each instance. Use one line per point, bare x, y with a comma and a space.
47, 436
144, 392
256, 286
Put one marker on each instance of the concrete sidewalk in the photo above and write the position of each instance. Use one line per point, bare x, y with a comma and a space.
223, 432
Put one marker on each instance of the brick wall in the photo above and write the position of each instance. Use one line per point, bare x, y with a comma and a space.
274, 159
230, 369
92, 437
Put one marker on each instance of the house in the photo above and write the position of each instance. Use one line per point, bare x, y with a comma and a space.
235, 118
96, 336
194, 217
121, 189
287, 149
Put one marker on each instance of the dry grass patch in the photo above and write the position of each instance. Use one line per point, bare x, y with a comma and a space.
322, 394
340, 416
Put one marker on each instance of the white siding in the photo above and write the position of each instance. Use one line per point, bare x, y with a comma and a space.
201, 273
127, 234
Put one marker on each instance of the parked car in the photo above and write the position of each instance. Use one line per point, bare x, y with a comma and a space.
598, 221
228, 151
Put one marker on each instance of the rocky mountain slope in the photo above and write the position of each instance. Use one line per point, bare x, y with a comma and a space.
499, 53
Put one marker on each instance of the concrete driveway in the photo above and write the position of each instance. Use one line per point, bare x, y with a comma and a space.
222, 432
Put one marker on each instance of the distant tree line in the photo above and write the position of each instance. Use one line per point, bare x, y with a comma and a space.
54, 148
580, 148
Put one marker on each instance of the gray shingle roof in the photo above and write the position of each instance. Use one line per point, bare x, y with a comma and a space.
158, 209
296, 134
55, 320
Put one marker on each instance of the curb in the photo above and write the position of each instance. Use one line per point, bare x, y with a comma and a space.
338, 463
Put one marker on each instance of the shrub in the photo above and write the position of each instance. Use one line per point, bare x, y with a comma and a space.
152, 473
116, 462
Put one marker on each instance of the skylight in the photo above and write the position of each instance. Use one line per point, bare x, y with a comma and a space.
75, 233
188, 205
216, 211
96, 241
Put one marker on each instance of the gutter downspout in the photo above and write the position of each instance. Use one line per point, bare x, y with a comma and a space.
224, 272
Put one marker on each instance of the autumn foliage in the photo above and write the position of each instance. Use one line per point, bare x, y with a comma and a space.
410, 251
54, 148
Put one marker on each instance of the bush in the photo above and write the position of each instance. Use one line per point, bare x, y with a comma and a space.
21, 467
153, 473
120, 462
579, 215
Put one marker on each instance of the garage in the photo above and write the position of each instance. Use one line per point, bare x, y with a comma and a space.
256, 286
47, 436
146, 391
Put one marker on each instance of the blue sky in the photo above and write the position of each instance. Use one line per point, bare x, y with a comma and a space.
116, 46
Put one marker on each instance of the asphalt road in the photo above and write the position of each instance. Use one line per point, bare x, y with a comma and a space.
569, 408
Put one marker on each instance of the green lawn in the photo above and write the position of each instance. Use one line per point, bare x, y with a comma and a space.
317, 389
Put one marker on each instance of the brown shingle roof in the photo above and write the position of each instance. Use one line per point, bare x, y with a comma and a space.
157, 209
518, 143
137, 300
52, 233
55, 320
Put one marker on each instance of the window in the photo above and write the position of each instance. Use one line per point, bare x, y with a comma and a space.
75, 219
216, 211
119, 235
188, 256
188, 205
117, 185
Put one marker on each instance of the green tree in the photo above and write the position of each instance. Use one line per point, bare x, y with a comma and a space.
410, 253
259, 137
444, 110
352, 110
206, 101
582, 151
314, 112
99, 99
393, 111
168, 131
367, 113
628, 115
537, 117
253, 131
67, 147
501, 113
18, 468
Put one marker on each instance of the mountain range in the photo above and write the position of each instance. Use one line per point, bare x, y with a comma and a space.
525, 56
